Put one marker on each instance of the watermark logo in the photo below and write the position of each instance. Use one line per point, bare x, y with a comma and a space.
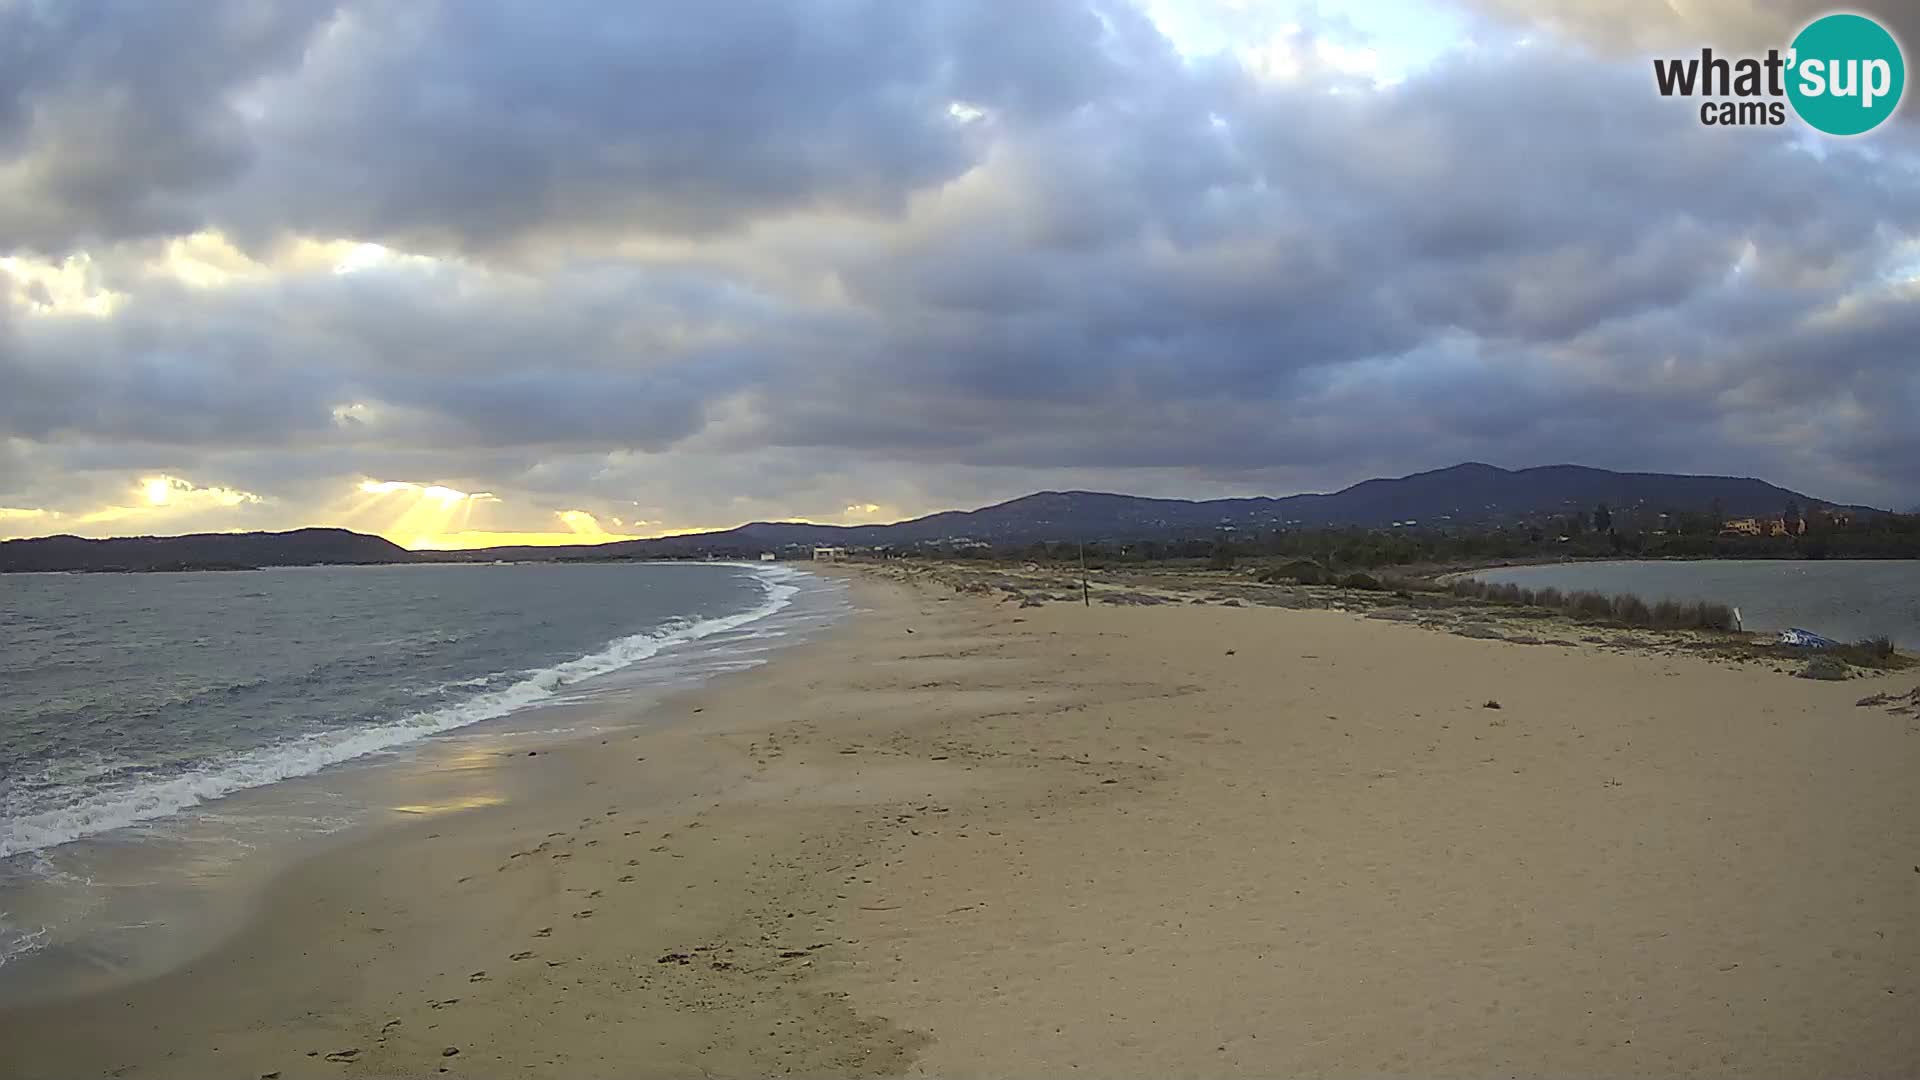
1844, 74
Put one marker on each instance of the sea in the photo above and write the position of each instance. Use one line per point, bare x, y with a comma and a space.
163, 735
1844, 599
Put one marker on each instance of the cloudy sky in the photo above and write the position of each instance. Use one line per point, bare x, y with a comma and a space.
472, 270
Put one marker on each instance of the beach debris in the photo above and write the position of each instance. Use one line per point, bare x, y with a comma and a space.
1491, 704
344, 1055
533, 753
1805, 639
450, 1051
274, 1075
1872, 699
676, 958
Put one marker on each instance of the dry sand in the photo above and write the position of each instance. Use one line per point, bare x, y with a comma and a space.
964, 838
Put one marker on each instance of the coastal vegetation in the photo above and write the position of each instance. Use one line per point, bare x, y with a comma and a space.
1622, 535
1625, 609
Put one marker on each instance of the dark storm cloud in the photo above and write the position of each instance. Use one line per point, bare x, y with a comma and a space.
116, 116
480, 124
706, 254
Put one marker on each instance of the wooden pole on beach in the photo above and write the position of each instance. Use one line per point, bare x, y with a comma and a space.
1085, 600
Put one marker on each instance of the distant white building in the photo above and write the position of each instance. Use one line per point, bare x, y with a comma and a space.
829, 554
768, 556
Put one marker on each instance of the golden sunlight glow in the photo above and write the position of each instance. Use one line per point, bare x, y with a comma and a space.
409, 514
361, 257
67, 287
580, 522
152, 503
166, 490
205, 260
208, 259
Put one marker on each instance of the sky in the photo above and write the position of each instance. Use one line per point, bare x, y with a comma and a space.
466, 272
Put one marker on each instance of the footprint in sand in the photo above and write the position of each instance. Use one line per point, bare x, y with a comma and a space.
521, 956
478, 976
587, 914
545, 931
626, 877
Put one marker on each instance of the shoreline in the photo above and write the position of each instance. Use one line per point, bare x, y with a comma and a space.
959, 835
158, 883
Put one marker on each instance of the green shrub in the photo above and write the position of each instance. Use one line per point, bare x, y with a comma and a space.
1710, 616
1298, 571
1632, 610
1825, 668
1361, 581
1877, 652
1590, 605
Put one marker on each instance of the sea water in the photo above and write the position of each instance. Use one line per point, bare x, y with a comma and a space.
1846, 599
154, 728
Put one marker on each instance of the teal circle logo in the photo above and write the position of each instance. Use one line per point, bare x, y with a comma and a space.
1846, 74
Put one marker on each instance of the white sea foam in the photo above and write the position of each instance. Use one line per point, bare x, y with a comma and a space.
17, 941
98, 813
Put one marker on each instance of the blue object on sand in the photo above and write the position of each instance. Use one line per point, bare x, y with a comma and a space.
1805, 639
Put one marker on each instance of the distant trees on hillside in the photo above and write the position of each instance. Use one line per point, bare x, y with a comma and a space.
1617, 535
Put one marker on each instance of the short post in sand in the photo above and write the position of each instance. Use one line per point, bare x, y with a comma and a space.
1085, 600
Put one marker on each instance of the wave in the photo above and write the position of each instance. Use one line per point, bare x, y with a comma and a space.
310, 753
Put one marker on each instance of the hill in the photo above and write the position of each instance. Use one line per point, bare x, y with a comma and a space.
1462, 496
199, 551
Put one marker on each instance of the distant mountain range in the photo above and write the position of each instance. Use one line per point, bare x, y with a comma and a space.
1460, 496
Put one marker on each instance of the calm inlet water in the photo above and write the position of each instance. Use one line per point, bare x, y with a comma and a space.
1844, 599
135, 709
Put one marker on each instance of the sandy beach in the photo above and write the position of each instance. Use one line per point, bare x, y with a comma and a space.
963, 836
